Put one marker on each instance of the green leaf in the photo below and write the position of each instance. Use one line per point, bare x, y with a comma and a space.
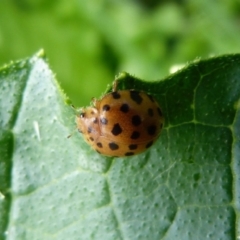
187, 186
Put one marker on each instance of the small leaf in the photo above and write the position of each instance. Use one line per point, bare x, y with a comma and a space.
186, 186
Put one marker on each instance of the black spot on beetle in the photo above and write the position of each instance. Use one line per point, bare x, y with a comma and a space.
136, 120
129, 153
152, 129
150, 112
136, 97
113, 146
135, 135
133, 146
106, 107
103, 121
99, 145
116, 95
91, 138
149, 144
124, 108
150, 97
89, 130
116, 129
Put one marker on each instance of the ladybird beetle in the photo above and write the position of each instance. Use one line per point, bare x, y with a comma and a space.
121, 123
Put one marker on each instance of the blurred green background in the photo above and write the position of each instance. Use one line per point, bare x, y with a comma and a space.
89, 42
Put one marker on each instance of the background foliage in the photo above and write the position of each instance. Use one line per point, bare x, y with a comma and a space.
89, 42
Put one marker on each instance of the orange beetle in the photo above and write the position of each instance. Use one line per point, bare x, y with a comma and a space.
121, 123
